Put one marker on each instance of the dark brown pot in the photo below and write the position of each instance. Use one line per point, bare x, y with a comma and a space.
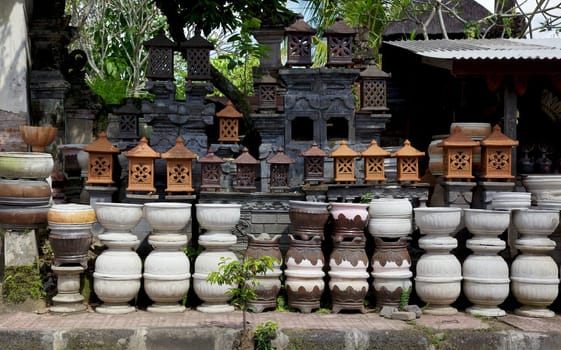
24, 192
17, 217
70, 243
308, 219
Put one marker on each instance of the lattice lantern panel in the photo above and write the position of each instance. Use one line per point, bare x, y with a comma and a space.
199, 64
313, 168
128, 126
299, 49
498, 163
345, 169
179, 175
279, 176
374, 169
267, 96
210, 174
245, 177
160, 64
408, 169
374, 93
141, 174
340, 49
458, 163
100, 168
229, 130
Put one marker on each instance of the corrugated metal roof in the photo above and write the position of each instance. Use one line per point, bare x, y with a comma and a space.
484, 49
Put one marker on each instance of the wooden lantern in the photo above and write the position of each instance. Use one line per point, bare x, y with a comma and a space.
246, 171
160, 57
497, 155
141, 167
374, 162
211, 171
228, 121
299, 43
457, 155
408, 162
100, 161
339, 43
344, 166
314, 164
179, 167
279, 164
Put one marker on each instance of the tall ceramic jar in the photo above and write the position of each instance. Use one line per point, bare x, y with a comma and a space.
167, 272
391, 266
308, 219
485, 274
349, 220
218, 220
304, 273
348, 276
439, 273
118, 269
269, 283
534, 274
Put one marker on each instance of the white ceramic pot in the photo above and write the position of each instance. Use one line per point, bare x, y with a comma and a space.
511, 200
438, 220
118, 217
486, 222
543, 186
390, 227
167, 217
535, 221
476, 131
25, 165
218, 218
390, 207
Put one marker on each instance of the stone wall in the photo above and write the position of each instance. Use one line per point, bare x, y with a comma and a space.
10, 140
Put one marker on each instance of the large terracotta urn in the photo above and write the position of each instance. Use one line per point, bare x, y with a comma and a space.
308, 219
485, 274
534, 274
218, 220
167, 272
439, 273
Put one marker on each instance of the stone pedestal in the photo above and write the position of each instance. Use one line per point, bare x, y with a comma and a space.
102, 194
458, 194
484, 192
68, 298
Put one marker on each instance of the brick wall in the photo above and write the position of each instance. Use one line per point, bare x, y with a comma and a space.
10, 140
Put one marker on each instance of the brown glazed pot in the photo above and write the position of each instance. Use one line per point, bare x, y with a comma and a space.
391, 265
24, 192
349, 220
308, 219
70, 243
23, 218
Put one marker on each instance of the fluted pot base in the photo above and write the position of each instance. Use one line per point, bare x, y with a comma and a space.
338, 306
484, 311
165, 308
440, 310
115, 309
260, 306
215, 308
305, 307
529, 311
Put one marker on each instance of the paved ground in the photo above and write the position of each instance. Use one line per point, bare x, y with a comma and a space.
193, 329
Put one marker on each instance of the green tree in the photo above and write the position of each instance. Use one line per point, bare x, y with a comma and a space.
243, 275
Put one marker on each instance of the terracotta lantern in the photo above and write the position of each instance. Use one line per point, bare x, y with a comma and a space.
129, 120
299, 43
141, 167
279, 164
179, 167
197, 50
374, 162
160, 57
246, 172
211, 171
373, 89
457, 155
228, 121
344, 166
314, 164
100, 160
408, 162
497, 155
339, 43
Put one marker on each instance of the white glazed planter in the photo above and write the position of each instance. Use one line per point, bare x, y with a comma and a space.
438, 220
118, 217
167, 217
482, 222
117, 273
390, 207
25, 165
218, 218
535, 221
390, 227
543, 186
511, 200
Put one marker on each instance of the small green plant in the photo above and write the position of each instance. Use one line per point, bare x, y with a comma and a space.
241, 275
22, 283
263, 334
323, 311
404, 299
366, 198
282, 305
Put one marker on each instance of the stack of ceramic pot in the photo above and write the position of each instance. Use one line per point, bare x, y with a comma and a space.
390, 224
167, 273
218, 221
534, 274
304, 258
348, 262
485, 274
118, 269
439, 273
268, 283
25, 195
70, 238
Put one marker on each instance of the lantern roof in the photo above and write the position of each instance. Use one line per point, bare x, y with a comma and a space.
229, 111
372, 71
458, 139
197, 42
102, 145
128, 108
408, 151
210, 157
497, 138
142, 150
160, 40
339, 28
375, 151
300, 26
245, 158
344, 151
314, 151
179, 151
280, 158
